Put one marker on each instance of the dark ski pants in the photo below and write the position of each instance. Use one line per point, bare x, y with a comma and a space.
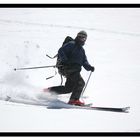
74, 83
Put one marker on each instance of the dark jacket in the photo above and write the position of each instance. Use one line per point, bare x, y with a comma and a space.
73, 54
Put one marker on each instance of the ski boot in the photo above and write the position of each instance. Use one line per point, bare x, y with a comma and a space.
76, 102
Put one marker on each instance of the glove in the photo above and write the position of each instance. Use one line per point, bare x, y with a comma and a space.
92, 68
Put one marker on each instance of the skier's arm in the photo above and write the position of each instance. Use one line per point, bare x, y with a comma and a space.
87, 66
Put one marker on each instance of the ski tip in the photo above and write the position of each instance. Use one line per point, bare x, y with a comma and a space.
7, 98
87, 105
126, 109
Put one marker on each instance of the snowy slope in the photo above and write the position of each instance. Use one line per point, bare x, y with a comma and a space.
28, 34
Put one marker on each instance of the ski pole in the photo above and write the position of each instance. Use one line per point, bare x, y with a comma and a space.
86, 84
34, 67
52, 57
51, 76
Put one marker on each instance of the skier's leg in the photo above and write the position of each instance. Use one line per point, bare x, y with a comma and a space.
63, 89
69, 85
79, 84
57, 89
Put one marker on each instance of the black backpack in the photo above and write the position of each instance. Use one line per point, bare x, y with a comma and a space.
67, 39
59, 65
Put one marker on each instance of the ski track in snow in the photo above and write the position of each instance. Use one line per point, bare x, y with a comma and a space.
66, 26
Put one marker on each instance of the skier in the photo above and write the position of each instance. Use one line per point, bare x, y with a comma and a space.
71, 58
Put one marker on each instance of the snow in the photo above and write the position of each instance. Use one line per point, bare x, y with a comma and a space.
28, 34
